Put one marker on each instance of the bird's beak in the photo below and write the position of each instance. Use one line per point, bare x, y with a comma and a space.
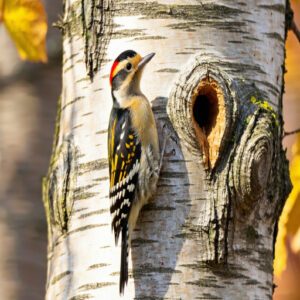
145, 60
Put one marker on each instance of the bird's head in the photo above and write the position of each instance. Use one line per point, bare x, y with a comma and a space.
125, 75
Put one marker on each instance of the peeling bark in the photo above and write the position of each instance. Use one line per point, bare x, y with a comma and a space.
216, 85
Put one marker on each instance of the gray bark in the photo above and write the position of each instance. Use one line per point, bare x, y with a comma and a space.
216, 83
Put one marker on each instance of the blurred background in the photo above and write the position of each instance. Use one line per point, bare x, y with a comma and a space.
28, 99
287, 251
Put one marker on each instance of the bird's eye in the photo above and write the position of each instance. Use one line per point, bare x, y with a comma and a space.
128, 66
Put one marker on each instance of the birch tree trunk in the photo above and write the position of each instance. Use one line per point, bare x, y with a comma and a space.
216, 86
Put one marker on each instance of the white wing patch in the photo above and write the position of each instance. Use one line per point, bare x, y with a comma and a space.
125, 202
130, 187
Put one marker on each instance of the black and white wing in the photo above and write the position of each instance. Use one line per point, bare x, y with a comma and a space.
124, 152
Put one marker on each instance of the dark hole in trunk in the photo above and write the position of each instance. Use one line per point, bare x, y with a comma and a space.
206, 109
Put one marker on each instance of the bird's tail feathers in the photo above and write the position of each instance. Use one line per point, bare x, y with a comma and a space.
124, 260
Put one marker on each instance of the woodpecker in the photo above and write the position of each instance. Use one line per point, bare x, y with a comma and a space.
133, 150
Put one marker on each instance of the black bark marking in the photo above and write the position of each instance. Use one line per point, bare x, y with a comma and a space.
87, 114
149, 37
97, 28
127, 33
82, 193
87, 227
168, 70
81, 297
93, 213
95, 165
139, 241
209, 282
97, 266
275, 7
154, 10
146, 269
101, 131
72, 102
275, 35
60, 276
95, 285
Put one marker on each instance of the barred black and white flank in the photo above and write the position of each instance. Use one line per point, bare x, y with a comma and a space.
133, 150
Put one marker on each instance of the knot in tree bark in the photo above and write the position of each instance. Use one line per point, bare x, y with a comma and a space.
201, 111
254, 156
58, 188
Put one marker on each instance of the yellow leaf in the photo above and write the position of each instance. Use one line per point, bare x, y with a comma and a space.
289, 222
295, 245
1, 9
26, 22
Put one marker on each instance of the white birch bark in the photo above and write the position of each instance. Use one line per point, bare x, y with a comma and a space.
209, 231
